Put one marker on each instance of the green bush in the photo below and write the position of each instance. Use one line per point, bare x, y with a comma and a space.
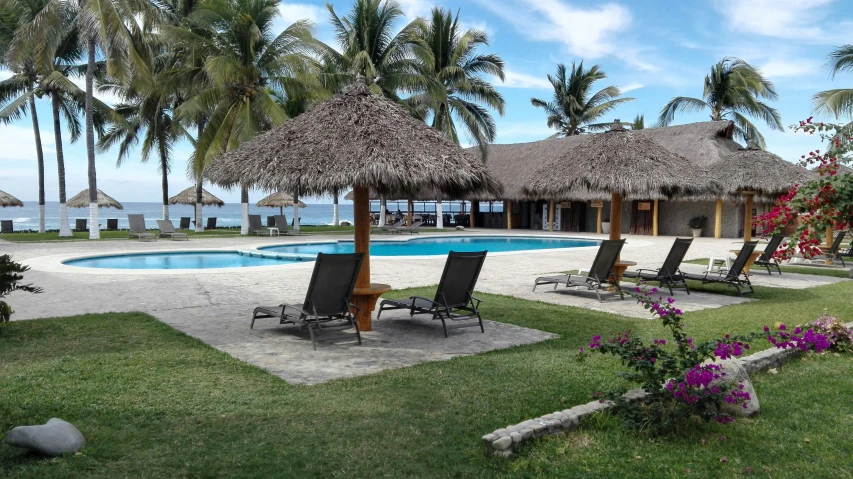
10, 275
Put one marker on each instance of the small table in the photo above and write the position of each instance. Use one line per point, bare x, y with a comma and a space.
365, 299
619, 270
273, 230
754, 256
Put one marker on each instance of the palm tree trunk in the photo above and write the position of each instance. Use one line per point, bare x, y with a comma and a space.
94, 227
199, 218
164, 171
39, 160
64, 230
336, 219
383, 211
244, 204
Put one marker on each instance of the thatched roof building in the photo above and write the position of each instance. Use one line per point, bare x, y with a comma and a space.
279, 200
187, 197
7, 200
759, 171
81, 200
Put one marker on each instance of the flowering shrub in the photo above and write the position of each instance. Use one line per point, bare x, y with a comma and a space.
837, 334
679, 376
821, 203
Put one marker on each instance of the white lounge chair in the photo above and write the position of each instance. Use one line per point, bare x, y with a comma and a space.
167, 230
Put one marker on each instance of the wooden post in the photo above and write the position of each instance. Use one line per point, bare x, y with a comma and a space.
747, 216
718, 219
829, 235
655, 219
410, 213
361, 211
471, 216
509, 214
599, 220
551, 215
615, 216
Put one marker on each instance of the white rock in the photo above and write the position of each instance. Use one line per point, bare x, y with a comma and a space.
736, 376
54, 438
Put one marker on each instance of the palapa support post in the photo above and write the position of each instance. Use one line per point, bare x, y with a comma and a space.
471, 215
551, 215
655, 217
410, 214
615, 216
718, 219
508, 214
599, 220
365, 294
829, 235
747, 215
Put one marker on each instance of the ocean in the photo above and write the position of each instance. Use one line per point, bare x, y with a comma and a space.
27, 218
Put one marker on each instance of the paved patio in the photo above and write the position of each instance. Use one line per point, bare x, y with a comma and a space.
215, 306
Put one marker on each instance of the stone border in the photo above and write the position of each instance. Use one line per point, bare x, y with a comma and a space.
504, 441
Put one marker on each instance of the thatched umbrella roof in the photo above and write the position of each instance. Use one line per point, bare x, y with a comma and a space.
373, 196
279, 200
357, 139
81, 200
623, 162
187, 197
759, 171
8, 200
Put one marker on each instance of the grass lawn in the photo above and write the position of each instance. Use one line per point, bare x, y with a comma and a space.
815, 270
154, 402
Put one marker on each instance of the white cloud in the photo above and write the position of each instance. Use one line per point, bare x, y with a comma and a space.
777, 68
794, 19
631, 87
588, 32
478, 25
415, 8
19, 143
291, 12
514, 79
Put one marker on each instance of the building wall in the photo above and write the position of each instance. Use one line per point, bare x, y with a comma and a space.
674, 216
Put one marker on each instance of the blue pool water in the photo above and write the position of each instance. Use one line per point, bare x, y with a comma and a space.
179, 260
437, 246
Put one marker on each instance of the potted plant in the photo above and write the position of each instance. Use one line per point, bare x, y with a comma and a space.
605, 226
696, 224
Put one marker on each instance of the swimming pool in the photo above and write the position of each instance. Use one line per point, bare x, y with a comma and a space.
180, 260
437, 246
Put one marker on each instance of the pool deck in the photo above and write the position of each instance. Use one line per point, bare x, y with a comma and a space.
215, 305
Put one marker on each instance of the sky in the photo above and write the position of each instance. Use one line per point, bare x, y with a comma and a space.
653, 50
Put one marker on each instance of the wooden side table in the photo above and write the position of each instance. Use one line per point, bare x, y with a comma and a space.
619, 269
754, 256
365, 299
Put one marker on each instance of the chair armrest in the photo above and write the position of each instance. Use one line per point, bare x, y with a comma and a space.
648, 269
299, 310
415, 298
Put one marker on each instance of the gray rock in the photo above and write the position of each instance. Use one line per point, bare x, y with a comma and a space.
502, 443
516, 437
54, 438
736, 376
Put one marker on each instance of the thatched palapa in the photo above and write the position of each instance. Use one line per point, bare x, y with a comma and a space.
81, 200
188, 197
7, 200
759, 171
279, 200
356, 139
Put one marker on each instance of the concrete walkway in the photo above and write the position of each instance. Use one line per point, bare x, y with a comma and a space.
215, 305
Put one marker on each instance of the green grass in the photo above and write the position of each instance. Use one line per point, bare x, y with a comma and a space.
815, 270
154, 402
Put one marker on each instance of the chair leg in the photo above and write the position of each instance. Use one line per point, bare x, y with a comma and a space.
311, 332
443, 325
252, 325
357, 331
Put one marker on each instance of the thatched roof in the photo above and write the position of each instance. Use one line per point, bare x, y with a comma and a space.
279, 200
8, 200
373, 196
81, 200
703, 144
187, 197
625, 162
759, 171
356, 139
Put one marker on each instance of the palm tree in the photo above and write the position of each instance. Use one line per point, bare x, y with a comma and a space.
838, 102
733, 90
390, 63
575, 107
457, 68
639, 122
249, 73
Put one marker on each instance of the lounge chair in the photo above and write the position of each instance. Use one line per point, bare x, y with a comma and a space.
185, 222
733, 277
600, 274
271, 221
833, 254
112, 224
454, 299
412, 229
136, 228
255, 226
326, 310
167, 230
669, 274
766, 259
280, 222
394, 228
6, 226
211, 223
81, 224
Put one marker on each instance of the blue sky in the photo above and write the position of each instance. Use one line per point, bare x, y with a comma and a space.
653, 50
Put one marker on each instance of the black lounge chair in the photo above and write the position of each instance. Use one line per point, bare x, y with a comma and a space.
6, 226
280, 222
326, 310
112, 224
833, 254
669, 274
81, 224
600, 274
185, 223
454, 298
255, 226
735, 276
766, 259
211, 223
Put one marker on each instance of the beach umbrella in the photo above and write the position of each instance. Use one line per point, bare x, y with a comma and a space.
361, 140
187, 197
620, 163
7, 200
81, 200
279, 200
